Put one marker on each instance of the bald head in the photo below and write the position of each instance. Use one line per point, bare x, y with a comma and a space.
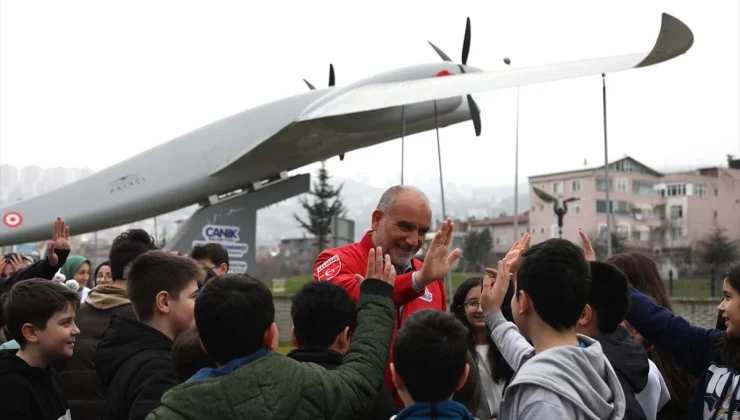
389, 197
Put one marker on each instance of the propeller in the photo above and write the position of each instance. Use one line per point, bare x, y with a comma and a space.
474, 110
332, 81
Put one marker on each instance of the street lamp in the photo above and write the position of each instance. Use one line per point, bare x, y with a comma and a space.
507, 61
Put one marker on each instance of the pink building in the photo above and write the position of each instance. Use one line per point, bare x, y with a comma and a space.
650, 209
502, 230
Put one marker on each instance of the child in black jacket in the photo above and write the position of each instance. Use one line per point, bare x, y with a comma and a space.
40, 316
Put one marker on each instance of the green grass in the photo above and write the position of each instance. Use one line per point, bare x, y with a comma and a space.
285, 348
684, 287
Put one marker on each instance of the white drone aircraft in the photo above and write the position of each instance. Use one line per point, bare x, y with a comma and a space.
261, 144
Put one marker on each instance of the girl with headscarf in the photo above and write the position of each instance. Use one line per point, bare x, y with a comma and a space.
77, 267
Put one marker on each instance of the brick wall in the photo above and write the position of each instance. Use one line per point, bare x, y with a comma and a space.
701, 312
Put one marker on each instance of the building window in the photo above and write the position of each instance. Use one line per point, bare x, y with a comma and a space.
542, 229
643, 188
576, 209
543, 187
575, 185
700, 190
602, 230
622, 207
677, 232
622, 185
601, 184
676, 212
533, 209
623, 230
675, 190
716, 192
501, 240
601, 206
624, 166
554, 231
715, 215
557, 187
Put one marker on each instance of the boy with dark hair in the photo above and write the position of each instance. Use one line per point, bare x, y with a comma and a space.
429, 364
213, 256
601, 320
235, 315
40, 315
134, 358
323, 316
564, 375
84, 392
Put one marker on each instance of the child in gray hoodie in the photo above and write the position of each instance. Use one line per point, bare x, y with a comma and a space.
561, 375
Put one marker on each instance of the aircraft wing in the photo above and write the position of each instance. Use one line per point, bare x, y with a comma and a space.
674, 39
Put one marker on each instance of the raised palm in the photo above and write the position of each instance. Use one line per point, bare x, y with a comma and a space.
437, 261
59, 240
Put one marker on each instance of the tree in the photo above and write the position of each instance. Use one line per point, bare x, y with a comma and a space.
476, 248
600, 244
325, 206
716, 248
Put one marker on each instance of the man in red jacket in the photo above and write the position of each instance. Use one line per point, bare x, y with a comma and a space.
399, 225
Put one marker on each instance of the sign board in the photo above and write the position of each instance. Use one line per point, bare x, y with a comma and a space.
278, 285
342, 231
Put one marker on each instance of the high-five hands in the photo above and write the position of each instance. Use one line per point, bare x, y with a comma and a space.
437, 261
378, 267
514, 256
494, 290
59, 240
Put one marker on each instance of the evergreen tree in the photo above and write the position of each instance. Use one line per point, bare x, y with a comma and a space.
325, 206
716, 248
476, 249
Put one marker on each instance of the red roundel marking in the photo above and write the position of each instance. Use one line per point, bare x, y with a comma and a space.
12, 219
444, 73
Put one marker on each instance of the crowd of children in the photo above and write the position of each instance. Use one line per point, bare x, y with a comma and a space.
550, 333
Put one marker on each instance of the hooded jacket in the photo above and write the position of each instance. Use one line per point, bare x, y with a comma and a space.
629, 360
134, 361
573, 382
29, 393
84, 391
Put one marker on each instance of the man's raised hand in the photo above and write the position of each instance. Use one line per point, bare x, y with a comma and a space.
437, 261
59, 240
378, 267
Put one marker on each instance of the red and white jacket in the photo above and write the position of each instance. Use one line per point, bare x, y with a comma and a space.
339, 266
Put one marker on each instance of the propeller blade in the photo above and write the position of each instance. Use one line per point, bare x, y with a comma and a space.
474, 114
466, 43
440, 52
331, 74
310, 86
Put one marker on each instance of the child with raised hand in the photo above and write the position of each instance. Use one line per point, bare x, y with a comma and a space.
711, 354
564, 375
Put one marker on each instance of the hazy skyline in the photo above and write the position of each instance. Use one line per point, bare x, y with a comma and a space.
88, 84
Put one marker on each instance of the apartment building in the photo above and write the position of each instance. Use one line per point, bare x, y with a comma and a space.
649, 209
502, 230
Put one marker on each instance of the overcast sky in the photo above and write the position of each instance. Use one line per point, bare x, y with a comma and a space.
90, 83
